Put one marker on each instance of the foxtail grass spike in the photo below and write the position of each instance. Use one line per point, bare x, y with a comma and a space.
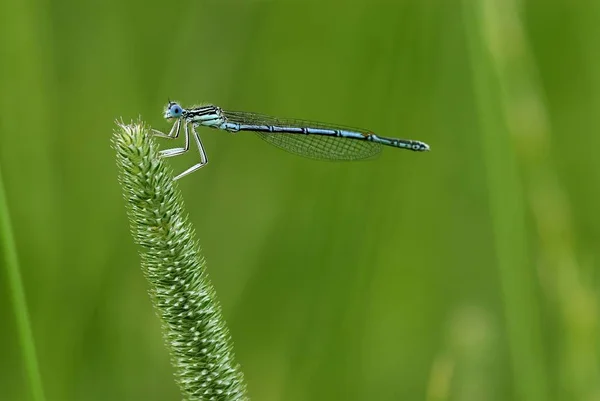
194, 328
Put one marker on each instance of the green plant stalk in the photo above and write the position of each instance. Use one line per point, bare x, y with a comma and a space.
508, 212
15, 283
528, 118
194, 328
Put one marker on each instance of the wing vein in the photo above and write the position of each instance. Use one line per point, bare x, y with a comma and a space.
313, 146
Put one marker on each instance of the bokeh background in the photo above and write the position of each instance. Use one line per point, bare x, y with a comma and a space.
467, 273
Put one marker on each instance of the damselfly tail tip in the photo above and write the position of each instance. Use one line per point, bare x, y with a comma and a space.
421, 147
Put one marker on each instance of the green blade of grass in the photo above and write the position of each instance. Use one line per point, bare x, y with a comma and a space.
17, 295
508, 210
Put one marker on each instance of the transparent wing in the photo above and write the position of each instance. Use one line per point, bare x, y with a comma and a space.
320, 147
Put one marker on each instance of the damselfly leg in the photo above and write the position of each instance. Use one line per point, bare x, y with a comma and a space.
178, 151
171, 135
174, 133
203, 158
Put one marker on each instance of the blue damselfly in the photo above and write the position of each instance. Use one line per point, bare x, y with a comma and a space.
305, 138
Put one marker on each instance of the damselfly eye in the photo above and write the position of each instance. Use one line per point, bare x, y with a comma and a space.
175, 110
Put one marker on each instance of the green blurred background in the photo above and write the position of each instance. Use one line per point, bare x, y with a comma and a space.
467, 273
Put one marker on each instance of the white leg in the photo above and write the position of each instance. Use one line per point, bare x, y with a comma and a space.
203, 158
171, 134
178, 151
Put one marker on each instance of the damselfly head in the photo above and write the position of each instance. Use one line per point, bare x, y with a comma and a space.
173, 110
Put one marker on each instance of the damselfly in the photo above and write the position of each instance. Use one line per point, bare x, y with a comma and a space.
304, 138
